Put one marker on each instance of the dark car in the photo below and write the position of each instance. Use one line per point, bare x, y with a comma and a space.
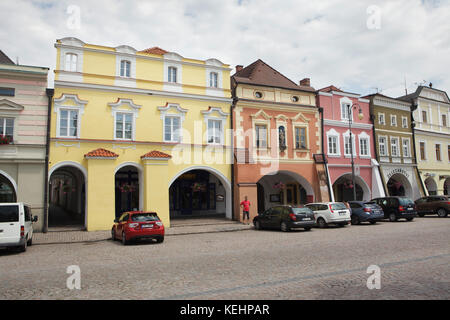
439, 205
285, 218
138, 225
395, 208
362, 211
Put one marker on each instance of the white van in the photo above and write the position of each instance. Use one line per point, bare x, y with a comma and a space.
330, 213
16, 225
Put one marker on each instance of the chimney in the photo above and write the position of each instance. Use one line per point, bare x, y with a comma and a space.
305, 82
239, 68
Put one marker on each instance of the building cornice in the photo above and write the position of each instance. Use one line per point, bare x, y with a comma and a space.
344, 124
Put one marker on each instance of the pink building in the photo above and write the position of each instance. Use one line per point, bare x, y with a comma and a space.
336, 138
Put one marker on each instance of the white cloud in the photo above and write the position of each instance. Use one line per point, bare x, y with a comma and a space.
327, 41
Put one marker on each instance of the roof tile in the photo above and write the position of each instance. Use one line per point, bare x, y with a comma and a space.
155, 50
156, 154
101, 153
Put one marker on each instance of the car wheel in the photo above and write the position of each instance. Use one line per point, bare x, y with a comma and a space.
257, 225
442, 213
23, 247
409, 219
321, 222
30, 242
355, 220
113, 234
124, 239
160, 240
392, 217
372, 222
307, 228
421, 215
284, 227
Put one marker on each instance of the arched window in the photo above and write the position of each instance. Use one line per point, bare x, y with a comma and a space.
71, 62
7, 192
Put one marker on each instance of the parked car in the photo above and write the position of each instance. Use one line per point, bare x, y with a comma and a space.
138, 225
439, 205
16, 226
395, 208
362, 211
285, 218
327, 213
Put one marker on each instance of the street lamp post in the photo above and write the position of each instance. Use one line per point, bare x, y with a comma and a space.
350, 120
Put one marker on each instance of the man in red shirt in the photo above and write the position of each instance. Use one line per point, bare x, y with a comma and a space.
246, 210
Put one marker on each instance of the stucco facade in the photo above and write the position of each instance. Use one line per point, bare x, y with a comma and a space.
277, 132
138, 125
336, 131
23, 119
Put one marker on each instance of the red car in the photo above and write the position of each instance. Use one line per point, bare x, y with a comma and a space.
138, 225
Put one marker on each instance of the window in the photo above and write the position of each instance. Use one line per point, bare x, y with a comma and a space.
424, 116
294, 99
261, 136
215, 131
10, 92
393, 120
213, 77
382, 146
71, 62
364, 146
172, 129
258, 94
394, 147
444, 120
125, 67
124, 126
172, 76
333, 145
347, 146
68, 123
405, 145
345, 111
438, 152
404, 122
381, 119
422, 150
300, 138
7, 127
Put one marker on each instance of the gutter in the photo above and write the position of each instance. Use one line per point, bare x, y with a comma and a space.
233, 104
413, 125
323, 152
50, 93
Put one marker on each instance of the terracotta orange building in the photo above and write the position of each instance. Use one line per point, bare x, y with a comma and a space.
277, 139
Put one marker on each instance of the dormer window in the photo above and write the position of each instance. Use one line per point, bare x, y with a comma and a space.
213, 79
172, 74
71, 62
125, 67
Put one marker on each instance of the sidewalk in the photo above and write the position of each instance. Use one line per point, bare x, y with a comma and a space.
179, 228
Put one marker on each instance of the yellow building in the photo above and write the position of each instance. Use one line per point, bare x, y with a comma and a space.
137, 130
432, 137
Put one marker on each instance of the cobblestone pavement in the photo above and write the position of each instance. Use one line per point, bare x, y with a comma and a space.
331, 263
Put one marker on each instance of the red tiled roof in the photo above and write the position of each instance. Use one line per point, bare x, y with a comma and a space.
155, 50
156, 154
330, 88
101, 153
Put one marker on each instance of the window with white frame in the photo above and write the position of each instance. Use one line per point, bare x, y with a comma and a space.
213, 79
215, 132
68, 123
71, 62
172, 74
424, 116
406, 148
444, 120
404, 122
261, 135
345, 110
393, 120
333, 145
381, 119
394, 147
364, 146
7, 127
438, 151
347, 146
124, 126
172, 128
382, 146
125, 68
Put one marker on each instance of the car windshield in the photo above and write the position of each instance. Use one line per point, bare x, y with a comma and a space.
338, 206
149, 216
301, 210
406, 201
9, 213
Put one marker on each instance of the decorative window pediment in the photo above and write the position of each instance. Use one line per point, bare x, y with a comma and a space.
69, 109
300, 118
7, 105
172, 116
261, 114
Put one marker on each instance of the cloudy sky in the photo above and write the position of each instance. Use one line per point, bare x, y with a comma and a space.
359, 46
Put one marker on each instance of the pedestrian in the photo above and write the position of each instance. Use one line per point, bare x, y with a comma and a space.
245, 210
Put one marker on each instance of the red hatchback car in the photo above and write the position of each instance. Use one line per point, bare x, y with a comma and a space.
137, 225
